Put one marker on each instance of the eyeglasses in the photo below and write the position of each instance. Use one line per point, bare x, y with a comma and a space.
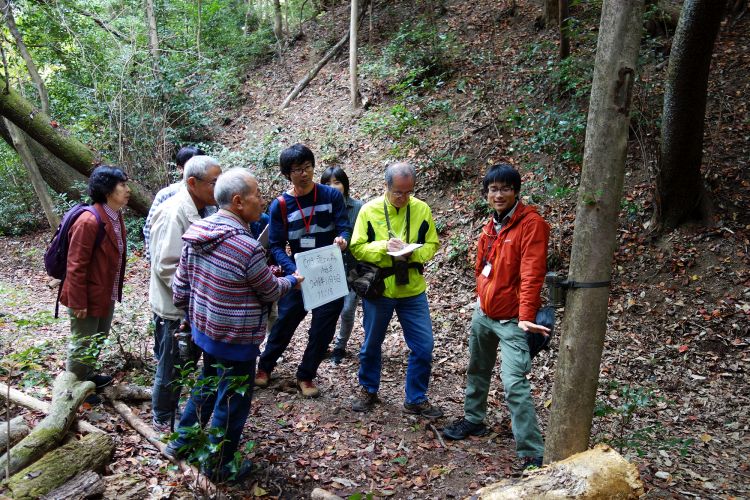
211, 183
400, 194
503, 190
300, 170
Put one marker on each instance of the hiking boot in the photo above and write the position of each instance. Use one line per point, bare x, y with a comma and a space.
172, 451
462, 428
424, 409
93, 399
308, 389
365, 401
529, 464
161, 427
100, 381
337, 356
261, 378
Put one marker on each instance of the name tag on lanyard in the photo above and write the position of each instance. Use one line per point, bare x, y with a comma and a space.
307, 241
487, 270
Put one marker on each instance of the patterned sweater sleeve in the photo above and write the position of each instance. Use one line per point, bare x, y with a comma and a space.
268, 287
181, 282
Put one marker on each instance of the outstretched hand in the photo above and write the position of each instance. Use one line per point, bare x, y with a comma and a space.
528, 326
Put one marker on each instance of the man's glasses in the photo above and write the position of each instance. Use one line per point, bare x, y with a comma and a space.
400, 194
211, 183
300, 170
502, 190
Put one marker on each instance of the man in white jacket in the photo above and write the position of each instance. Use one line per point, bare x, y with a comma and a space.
169, 222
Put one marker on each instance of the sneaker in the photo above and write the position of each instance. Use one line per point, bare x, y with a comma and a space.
308, 389
161, 427
172, 451
530, 463
462, 428
93, 399
228, 474
424, 409
338, 355
261, 378
100, 381
365, 400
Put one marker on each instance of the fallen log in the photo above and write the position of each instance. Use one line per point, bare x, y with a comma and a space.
19, 398
127, 392
600, 473
145, 430
56, 468
18, 430
67, 395
321, 494
85, 485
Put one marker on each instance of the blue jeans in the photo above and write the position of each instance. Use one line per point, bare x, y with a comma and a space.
414, 315
347, 320
228, 407
166, 394
322, 328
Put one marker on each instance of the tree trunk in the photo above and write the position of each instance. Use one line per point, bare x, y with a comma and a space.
551, 13
356, 102
153, 36
67, 395
85, 485
593, 474
12, 432
92, 452
680, 192
594, 237
278, 29
564, 29
40, 188
35, 77
65, 147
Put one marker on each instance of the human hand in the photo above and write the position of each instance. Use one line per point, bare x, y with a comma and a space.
80, 313
341, 242
299, 279
528, 326
394, 245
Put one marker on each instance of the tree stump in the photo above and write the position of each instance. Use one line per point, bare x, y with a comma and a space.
600, 473
56, 468
67, 395
18, 431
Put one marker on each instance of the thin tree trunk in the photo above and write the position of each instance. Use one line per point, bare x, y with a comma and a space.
278, 29
594, 237
564, 29
680, 192
33, 72
551, 13
198, 31
153, 35
68, 149
37, 182
356, 102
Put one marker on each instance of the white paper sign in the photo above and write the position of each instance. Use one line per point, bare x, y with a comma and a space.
325, 277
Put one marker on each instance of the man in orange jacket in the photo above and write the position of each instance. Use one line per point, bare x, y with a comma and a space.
510, 268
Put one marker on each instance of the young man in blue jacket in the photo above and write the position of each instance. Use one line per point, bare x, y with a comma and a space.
308, 216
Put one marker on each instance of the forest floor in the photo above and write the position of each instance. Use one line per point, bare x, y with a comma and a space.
674, 389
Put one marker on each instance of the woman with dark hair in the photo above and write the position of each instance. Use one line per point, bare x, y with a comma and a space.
95, 272
337, 178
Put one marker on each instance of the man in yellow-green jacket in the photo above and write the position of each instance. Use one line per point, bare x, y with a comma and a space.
401, 224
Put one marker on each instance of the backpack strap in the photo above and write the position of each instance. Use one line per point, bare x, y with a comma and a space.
282, 206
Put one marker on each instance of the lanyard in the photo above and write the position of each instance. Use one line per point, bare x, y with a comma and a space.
388, 221
491, 247
308, 222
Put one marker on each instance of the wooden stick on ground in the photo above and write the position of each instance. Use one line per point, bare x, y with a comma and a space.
21, 399
145, 430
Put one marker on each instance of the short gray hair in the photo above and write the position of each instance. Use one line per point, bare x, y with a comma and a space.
197, 166
400, 169
232, 182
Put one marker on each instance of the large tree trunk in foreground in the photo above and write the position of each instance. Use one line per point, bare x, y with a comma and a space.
594, 237
56, 468
57, 174
12, 432
67, 395
88, 484
68, 149
597, 473
680, 193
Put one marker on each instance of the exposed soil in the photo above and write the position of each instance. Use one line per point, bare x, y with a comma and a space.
674, 386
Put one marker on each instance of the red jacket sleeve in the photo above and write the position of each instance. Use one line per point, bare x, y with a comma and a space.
535, 236
80, 252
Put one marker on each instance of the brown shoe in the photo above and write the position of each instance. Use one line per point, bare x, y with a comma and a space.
365, 401
308, 389
261, 378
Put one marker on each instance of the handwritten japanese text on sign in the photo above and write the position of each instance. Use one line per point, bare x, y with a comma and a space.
325, 278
